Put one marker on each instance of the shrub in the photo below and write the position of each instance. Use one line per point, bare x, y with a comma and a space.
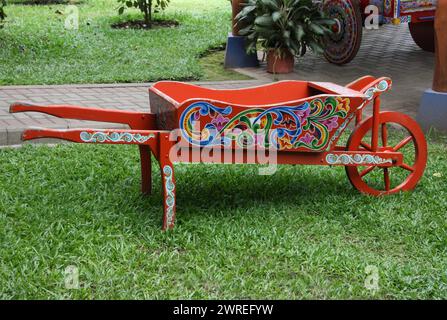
284, 25
145, 6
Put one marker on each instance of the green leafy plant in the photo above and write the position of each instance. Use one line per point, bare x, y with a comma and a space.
147, 7
284, 25
2, 10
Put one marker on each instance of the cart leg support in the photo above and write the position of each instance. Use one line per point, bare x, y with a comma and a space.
168, 180
375, 124
146, 170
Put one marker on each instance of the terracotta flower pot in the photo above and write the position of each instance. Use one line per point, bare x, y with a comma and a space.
280, 63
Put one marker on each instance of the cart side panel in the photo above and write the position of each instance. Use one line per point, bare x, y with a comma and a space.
165, 110
309, 125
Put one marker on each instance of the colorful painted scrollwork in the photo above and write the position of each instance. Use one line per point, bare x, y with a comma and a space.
170, 196
407, 6
357, 159
388, 7
308, 126
117, 137
382, 86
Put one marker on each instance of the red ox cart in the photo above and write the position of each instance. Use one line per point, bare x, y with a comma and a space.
342, 46
298, 122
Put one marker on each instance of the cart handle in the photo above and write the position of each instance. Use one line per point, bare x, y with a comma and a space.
360, 83
371, 86
100, 136
376, 88
135, 120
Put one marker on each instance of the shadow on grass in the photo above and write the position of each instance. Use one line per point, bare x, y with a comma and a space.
229, 190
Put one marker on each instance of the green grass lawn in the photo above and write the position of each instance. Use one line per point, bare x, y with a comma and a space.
301, 233
212, 64
35, 48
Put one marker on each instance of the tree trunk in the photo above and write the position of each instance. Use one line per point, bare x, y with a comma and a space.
148, 13
440, 78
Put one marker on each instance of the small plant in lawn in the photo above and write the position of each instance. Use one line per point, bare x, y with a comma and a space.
147, 7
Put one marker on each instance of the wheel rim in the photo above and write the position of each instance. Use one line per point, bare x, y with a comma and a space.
409, 140
343, 45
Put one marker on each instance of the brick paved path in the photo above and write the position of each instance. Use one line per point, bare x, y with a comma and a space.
388, 52
119, 96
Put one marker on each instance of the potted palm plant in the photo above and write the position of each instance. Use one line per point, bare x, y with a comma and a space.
284, 29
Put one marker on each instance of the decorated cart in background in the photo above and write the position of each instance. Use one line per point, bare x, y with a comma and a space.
350, 16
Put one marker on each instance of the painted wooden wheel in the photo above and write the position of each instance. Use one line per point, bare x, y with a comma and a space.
423, 34
398, 132
342, 46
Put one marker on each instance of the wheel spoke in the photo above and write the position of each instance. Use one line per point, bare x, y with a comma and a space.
407, 167
366, 171
365, 145
403, 143
386, 177
384, 135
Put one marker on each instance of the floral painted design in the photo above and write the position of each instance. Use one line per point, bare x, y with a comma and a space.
169, 186
117, 137
356, 159
307, 126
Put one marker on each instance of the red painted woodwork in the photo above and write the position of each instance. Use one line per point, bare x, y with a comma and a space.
155, 133
135, 120
194, 155
414, 136
170, 99
269, 94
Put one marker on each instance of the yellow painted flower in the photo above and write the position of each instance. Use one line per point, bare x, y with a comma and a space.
205, 134
343, 104
284, 143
